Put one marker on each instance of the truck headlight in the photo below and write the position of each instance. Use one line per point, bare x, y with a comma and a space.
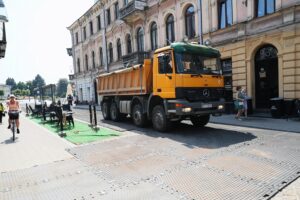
220, 107
186, 110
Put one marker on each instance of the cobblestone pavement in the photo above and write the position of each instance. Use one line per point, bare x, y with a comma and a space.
215, 162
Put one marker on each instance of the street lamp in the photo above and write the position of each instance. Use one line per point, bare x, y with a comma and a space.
3, 19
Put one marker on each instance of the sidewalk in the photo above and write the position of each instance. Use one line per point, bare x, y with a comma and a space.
33, 146
290, 125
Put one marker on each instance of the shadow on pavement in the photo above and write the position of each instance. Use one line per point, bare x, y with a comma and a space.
187, 134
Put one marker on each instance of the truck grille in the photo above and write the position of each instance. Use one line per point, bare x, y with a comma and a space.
199, 94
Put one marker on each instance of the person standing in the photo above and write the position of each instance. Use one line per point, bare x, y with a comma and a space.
239, 102
1, 112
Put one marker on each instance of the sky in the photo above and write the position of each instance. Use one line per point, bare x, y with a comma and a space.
37, 38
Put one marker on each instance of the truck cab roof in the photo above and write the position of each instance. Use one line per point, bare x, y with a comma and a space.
182, 47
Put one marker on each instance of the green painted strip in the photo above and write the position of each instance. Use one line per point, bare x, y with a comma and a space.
79, 134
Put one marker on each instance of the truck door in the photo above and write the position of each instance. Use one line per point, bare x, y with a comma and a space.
164, 75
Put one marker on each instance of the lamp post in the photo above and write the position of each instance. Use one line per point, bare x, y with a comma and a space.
3, 20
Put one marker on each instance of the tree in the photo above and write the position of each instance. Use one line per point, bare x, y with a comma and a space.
11, 82
30, 87
38, 82
22, 86
61, 88
1, 93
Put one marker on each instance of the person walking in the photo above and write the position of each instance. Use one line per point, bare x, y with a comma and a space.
1, 112
245, 110
239, 102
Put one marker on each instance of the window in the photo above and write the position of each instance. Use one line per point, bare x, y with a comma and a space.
91, 28
100, 56
93, 59
225, 13
119, 49
170, 29
111, 54
190, 22
153, 35
98, 22
125, 2
117, 10
165, 63
128, 41
86, 62
84, 33
76, 38
78, 65
265, 7
227, 72
140, 40
108, 16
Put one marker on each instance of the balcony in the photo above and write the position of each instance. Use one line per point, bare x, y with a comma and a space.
133, 11
135, 58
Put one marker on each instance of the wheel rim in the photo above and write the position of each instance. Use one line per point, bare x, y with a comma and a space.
137, 117
113, 112
105, 110
158, 120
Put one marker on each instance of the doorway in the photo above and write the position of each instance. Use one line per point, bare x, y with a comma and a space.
266, 76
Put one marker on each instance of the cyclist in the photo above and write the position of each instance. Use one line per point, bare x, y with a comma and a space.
13, 111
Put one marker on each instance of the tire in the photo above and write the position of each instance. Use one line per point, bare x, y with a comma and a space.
106, 110
114, 112
200, 121
138, 117
159, 119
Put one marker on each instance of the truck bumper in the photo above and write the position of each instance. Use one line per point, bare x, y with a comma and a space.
181, 107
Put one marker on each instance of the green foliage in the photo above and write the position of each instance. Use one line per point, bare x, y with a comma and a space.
22, 86
38, 82
11, 82
61, 88
1, 93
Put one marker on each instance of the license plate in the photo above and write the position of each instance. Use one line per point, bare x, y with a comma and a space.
206, 105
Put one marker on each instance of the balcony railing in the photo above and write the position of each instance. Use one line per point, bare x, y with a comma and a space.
135, 58
133, 10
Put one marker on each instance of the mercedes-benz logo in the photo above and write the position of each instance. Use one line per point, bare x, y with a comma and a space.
206, 92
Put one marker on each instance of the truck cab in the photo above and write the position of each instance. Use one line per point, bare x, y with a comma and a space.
189, 79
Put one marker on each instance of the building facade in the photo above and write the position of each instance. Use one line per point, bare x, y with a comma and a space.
6, 91
259, 41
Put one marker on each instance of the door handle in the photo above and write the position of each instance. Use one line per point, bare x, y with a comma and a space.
158, 90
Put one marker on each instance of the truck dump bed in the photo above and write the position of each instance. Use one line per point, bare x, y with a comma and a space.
134, 80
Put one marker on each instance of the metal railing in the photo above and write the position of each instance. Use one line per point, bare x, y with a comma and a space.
135, 58
131, 7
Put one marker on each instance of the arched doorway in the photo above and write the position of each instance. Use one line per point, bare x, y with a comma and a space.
266, 76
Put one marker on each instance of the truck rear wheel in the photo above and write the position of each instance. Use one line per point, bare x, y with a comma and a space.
114, 112
159, 119
200, 121
106, 110
138, 117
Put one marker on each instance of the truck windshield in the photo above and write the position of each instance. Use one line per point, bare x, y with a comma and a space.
196, 64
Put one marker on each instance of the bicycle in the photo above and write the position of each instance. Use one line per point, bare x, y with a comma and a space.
13, 116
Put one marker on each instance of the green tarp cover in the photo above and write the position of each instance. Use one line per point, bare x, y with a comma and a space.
181, 47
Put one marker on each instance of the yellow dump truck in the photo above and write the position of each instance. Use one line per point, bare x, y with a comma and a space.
182, 81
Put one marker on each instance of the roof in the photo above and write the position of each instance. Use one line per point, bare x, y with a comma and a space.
182, 47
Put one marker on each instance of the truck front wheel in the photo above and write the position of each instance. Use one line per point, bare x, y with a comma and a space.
200, 121
159, 119
138, 117
106, 110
